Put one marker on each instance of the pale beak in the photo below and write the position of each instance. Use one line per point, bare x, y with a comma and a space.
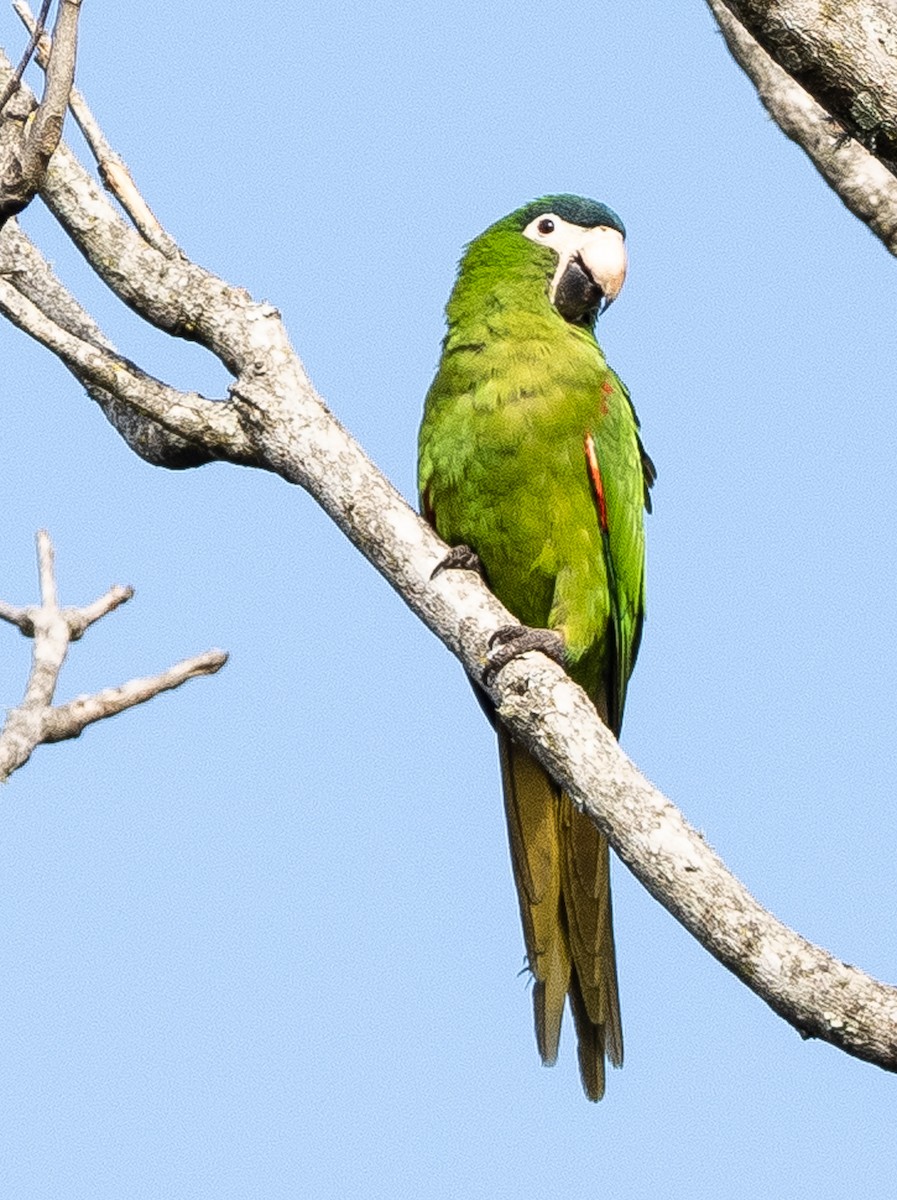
601, 254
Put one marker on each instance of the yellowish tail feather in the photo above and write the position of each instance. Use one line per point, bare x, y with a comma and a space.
561, 869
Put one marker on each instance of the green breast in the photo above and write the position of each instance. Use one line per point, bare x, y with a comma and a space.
503, 468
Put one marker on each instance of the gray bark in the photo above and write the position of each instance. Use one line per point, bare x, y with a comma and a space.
843, 52
273, 419
865, 184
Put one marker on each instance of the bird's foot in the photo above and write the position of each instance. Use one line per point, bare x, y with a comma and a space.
513, 640
459, 558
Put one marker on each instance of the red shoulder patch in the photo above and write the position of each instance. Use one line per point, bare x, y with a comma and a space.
595, 476
607, 390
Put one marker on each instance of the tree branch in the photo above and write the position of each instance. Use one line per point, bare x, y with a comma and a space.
275, 420
26, 145
864, 184
112, 168
36, 28
69, 720
843, 54
52, 628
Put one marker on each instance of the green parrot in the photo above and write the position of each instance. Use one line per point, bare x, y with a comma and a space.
532, 467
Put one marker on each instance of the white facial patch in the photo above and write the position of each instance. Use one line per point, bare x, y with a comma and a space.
601, 250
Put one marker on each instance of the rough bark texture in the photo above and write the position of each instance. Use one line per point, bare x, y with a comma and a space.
864, 184
843, 52
819, 995
25, 150
273, 419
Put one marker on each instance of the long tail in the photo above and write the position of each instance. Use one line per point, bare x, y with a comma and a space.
562, 871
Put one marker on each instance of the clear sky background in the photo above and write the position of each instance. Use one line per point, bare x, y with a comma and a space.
259, 938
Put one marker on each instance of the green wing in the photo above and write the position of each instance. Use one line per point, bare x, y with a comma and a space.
621, 475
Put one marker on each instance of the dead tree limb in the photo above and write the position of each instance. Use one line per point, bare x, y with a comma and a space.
843, 54
52, 629
273, 419
863, 183
29, 132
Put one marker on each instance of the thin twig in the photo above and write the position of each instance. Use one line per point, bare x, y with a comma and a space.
80, 619
46, 570
37, 30
26, 145
46, 128
20, 617
70, 720
36, 720
113, 170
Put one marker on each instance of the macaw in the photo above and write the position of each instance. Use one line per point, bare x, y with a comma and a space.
531, 464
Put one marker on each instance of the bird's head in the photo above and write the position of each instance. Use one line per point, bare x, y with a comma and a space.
587, 263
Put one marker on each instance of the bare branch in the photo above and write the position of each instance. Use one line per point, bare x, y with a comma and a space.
23, 264
36, 720
69, 720
46, 569
26, 146
37, 29
867, 187
29, 292
843, 54
276, 420
815, 992
79, 620
112, 167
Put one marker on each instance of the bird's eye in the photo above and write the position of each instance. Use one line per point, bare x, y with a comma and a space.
546, 225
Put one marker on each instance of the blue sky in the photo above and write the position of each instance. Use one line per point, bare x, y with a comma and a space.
259, 938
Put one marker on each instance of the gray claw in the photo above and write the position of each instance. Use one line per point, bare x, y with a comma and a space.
511, 641
459, 558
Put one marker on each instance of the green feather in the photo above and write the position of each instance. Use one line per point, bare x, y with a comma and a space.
503, 467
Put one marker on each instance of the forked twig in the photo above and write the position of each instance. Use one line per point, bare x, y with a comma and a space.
37, 719
113, 170
29, 136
